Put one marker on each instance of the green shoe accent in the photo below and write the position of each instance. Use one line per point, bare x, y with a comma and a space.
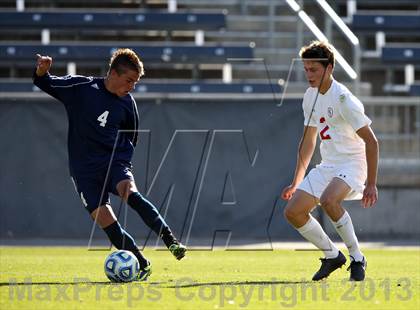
178, 250
144, 273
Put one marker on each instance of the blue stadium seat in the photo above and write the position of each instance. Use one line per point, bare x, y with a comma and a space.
415, 89
201, 87
171, 87
185, 53
401, 54
387, 22
112, 21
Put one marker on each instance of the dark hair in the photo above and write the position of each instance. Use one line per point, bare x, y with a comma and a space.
319, 51
125, 59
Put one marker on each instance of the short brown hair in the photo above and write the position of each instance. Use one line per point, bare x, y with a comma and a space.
124, 59
320, 51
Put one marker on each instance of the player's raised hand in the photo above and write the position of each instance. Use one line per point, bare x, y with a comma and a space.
370, 196
288, 192
43, 64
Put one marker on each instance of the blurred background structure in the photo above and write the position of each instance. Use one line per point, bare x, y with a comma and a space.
215, 69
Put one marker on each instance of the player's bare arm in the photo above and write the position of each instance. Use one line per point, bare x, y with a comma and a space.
43, 64
306, 149
370, 194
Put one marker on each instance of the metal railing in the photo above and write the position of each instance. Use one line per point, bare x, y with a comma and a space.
353, 73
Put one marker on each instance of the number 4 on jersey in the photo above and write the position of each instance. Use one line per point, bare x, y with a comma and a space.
102, 118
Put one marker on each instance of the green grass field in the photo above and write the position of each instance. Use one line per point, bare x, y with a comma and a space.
73, 278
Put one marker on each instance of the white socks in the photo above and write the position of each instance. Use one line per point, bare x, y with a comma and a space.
313, 232
345, 229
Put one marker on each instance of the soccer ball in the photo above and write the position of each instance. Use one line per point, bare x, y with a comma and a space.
121, 266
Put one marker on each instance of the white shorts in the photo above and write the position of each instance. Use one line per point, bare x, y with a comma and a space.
353, 173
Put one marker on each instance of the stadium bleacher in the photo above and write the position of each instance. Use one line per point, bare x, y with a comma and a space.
396, 39
85, 33
386, 21
401, 54
390, 40
126, 20
85, 48
14, 53
415, 89
386, 5
170, 87
105, 4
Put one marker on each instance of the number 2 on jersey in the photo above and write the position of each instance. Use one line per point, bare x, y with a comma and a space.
324, 130
102, 118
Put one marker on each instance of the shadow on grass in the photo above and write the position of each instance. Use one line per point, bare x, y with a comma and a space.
182, 283
187, 284
23, 283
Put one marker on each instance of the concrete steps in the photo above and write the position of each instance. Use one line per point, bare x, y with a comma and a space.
261, 39
261, 23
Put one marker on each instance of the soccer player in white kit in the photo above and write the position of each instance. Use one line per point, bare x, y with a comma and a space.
348, 170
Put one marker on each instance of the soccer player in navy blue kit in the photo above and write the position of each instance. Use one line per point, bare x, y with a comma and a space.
103, 127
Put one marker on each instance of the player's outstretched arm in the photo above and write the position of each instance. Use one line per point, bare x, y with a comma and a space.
61, 88
370, 194
43, 64
306, 149
43, 80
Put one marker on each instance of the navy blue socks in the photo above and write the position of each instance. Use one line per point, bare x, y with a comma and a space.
151, 217
123, 241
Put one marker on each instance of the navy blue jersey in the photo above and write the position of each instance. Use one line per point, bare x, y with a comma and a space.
96, 117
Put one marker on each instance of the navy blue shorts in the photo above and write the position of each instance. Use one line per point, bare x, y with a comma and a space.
94, 191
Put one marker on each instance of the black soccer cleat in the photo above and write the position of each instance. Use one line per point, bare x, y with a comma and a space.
144, 273
357, 270
178, 250
328, 265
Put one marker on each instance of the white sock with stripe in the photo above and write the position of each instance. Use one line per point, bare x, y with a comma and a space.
345, 229
313, 232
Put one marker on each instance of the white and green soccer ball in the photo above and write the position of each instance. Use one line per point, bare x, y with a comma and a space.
121, 266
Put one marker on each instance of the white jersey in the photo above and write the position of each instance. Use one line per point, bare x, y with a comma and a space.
337, 114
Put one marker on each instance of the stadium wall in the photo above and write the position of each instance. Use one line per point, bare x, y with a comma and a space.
214, 169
